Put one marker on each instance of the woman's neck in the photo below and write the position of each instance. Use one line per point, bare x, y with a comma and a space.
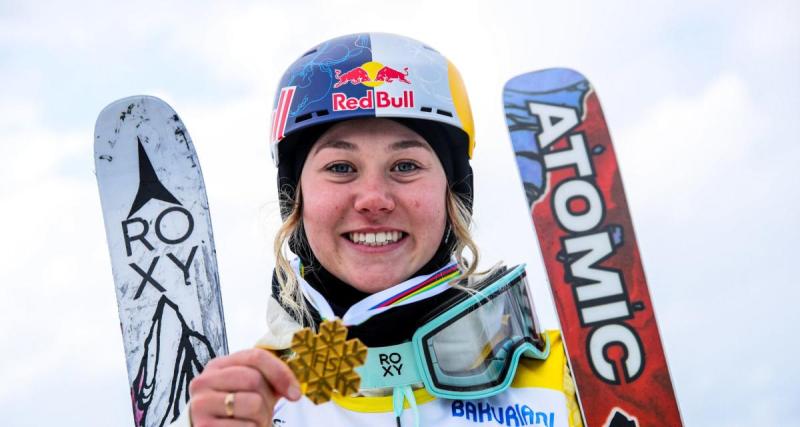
390, 327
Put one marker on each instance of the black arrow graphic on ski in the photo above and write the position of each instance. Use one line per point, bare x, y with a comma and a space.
149, 185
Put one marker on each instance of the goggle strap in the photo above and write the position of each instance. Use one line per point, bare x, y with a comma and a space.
399, 395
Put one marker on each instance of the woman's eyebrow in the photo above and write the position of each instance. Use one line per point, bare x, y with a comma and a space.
336, 143
409, 143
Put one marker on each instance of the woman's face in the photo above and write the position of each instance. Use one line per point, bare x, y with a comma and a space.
373, 202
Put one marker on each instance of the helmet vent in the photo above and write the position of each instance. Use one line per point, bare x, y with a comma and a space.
309, 52
302, 118
444, 113
426, 109
430, 48
308, 116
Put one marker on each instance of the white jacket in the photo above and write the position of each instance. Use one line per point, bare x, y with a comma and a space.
541, 394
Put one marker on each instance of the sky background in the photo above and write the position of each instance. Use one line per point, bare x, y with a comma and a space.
701, 98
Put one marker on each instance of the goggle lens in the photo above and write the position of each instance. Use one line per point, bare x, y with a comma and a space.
475, 350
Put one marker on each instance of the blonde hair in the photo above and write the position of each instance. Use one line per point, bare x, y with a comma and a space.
289, 295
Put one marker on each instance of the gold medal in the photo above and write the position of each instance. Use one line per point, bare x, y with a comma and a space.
325, 362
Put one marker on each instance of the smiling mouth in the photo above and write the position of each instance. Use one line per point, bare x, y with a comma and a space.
376, 239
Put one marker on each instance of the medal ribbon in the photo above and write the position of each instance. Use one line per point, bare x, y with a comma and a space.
412, 290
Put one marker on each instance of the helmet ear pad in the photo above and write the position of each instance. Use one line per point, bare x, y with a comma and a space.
292, 161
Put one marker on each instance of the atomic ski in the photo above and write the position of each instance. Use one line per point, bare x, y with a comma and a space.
578, 207
162, 253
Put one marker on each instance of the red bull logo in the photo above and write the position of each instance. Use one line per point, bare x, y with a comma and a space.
355, 76
371, 74
388, 75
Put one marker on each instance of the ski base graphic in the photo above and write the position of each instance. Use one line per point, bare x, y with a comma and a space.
162, 253
571, 178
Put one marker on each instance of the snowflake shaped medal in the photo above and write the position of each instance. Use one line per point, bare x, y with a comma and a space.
325, 362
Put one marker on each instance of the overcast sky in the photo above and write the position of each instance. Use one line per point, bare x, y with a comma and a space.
701, 98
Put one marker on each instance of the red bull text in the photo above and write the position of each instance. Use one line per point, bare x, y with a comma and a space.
377, 99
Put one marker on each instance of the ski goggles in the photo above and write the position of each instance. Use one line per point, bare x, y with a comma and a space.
468, 349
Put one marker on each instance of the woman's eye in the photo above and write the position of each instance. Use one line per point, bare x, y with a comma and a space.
341, 168
406, 167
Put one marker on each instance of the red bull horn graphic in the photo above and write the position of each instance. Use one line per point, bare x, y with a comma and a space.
371, 74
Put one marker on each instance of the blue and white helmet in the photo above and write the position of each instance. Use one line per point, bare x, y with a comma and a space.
372, 75
369, 75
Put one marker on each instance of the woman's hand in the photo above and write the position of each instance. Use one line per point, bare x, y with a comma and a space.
241, 389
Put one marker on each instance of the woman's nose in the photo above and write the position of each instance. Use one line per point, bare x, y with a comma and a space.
374, 194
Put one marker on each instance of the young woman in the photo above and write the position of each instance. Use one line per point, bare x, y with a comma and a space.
372, 135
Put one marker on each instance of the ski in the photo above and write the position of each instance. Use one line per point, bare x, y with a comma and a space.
577, 204
162, 253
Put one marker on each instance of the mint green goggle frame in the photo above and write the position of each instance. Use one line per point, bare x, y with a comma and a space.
470, 349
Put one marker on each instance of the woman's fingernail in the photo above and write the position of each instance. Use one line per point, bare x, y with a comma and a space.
294, 392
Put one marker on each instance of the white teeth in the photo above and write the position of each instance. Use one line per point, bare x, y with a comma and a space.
376, 239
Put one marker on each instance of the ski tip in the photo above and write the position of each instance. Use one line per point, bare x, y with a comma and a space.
139, 105
550, 77
119, 109
123, 104
131, 113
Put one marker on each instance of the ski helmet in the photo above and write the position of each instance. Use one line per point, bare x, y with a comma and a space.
372, 75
